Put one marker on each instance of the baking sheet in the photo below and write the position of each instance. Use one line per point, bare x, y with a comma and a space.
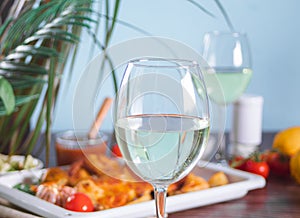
240, 183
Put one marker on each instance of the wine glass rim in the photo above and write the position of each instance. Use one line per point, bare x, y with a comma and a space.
234, 34
152, 62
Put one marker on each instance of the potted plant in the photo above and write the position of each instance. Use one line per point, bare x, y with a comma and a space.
36, 38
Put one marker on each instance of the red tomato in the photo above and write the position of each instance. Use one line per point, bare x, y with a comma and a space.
257, 167
116, 150
79, 202
238, 162
253, 164
279, 163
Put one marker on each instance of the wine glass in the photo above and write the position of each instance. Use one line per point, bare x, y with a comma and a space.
162, 121
228, 55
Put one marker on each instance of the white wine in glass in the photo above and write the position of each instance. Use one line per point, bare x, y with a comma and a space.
162, 121
228, 55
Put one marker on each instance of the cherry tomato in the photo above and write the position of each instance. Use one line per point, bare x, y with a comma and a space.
253, 164
279, 163
238, 162
116, 150
257, 167
79, 202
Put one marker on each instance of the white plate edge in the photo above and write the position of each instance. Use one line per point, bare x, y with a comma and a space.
241, 188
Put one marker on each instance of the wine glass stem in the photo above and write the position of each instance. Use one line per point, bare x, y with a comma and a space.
160, 195
221, 154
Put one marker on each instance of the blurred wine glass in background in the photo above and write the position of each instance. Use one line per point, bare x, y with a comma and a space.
228, 55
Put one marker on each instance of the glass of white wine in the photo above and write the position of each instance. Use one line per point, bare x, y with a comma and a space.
228, 54
162, 121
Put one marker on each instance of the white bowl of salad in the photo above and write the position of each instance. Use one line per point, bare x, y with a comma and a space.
17, 163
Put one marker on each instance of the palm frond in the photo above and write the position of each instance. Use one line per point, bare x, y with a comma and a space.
110, 28
33, 52
24, 51
225, 15
4, 26
19, 67
21, 82
201, 8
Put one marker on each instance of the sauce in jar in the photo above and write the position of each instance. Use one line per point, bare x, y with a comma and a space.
75, 145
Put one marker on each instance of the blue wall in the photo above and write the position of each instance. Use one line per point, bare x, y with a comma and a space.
273, 28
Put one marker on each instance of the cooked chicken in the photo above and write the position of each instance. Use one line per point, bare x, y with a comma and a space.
56, 175
218, 179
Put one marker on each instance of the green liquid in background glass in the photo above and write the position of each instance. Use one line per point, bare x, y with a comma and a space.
233, 82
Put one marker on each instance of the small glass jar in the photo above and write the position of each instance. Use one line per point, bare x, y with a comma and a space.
72, 146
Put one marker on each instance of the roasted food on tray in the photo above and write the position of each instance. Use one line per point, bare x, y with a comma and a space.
90, 185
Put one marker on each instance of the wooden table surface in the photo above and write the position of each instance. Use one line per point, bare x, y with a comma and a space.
279, 198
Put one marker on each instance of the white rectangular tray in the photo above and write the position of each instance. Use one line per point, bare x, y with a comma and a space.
240, 183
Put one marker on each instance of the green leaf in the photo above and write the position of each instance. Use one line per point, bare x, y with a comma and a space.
24, 188
23, 51
79, 17
69, 22
20, 100
22, 67
225, 15
56, 37
7, 95
36, 50
53, 32
25, 81
5, 25
111, 28
201, 8
124, 23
